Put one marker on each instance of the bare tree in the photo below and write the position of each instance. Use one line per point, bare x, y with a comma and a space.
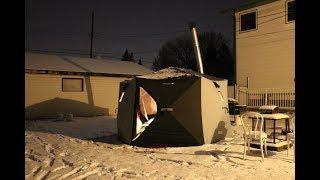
215, 51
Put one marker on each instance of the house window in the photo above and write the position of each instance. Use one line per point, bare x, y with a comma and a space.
248, 21
291, 11
72, 84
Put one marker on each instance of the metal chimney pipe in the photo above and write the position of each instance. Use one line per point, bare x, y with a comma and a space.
192, 27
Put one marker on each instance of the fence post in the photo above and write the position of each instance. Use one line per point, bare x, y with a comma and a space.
266, 98
238, 92
247, 97
235, 91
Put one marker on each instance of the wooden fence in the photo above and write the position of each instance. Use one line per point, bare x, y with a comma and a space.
284, 98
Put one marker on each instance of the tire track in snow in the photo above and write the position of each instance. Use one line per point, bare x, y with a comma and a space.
33, 172
42, 175
87, 174
74, 171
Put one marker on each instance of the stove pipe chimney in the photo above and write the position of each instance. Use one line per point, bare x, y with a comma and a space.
192, 27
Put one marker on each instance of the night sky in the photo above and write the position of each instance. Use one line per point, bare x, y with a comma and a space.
141, 26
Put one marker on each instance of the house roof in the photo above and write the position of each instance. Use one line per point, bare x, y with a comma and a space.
61, 63
247, 5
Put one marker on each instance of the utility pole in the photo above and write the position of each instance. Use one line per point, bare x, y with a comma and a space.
91, 34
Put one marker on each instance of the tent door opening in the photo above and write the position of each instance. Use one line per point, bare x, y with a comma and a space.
145, 112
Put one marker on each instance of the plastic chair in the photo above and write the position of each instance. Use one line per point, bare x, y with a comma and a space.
253, 134
291, 138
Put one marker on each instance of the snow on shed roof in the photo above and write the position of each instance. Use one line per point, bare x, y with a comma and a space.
37, 61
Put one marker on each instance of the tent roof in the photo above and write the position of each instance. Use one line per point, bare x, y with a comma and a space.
37, 61
173, 72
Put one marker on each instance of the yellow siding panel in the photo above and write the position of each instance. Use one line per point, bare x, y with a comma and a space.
44, 96
267, 55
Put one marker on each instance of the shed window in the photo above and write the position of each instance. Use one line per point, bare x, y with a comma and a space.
248, 21
291, 11
72, 84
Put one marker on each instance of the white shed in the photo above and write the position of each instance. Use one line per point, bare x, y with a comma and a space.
57, 84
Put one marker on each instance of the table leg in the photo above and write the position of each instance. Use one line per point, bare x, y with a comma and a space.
264, 126
287, 127
274, 131
252, 124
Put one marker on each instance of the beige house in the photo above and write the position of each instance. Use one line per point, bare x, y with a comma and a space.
82, 86
265, 44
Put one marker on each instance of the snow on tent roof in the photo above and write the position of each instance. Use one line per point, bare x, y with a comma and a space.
173, 72
37, 61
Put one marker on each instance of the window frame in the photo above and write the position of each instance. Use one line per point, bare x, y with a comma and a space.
248, 12
82, 88
287, 12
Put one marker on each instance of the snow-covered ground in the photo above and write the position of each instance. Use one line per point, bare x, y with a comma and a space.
63, 150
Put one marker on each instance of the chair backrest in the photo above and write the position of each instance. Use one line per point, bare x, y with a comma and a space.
256, 119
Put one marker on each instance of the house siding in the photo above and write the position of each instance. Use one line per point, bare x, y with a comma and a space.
44, 97
266, 55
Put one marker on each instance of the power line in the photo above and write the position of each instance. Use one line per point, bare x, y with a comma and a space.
79, 53
145, 52
266, 21
267, 15
141, 36
85, 50
258, 17
100, 36
255, 44
266, 34
269, 20
66, 51
59, 52
153, 34
119, 58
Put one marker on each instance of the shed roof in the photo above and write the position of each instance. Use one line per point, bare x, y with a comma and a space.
61, 63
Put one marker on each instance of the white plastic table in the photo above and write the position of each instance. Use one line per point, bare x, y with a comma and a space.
274, 118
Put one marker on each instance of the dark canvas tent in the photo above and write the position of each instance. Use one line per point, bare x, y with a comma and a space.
173, 107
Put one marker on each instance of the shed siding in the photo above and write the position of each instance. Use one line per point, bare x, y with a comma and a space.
266, 55
44, 96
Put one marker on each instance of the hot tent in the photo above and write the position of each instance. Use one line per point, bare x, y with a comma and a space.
173, 107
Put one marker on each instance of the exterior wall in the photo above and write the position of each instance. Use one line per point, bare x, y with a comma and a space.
44, 96
215, 117
266, 55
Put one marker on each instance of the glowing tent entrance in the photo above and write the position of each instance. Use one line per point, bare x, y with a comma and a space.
173, 107
145, 113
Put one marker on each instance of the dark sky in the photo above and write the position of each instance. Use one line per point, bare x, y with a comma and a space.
142, 26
